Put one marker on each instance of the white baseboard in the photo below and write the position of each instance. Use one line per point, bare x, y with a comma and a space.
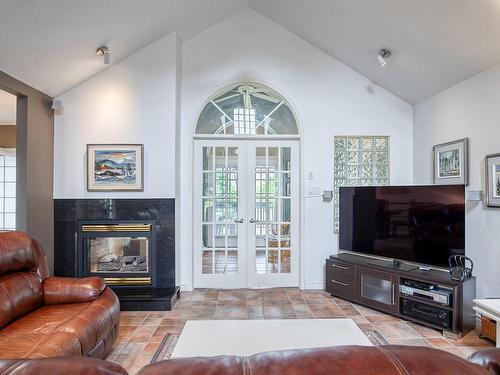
314, 286
187, 288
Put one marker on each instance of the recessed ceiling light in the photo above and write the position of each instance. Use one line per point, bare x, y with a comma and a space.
383, 55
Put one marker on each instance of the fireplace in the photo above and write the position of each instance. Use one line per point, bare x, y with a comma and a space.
122, 253
129, 242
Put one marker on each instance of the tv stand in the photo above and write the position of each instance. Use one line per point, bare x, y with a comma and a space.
381, 286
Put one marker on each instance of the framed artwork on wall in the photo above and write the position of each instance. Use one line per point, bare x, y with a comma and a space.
451, 163
115, 167
492, 163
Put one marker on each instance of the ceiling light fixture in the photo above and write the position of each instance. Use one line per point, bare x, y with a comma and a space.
104, 51
383, 55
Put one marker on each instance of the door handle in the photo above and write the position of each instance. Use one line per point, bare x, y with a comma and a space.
239, 221
252, 220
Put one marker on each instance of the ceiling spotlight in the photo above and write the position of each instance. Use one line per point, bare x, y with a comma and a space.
383, 55
104, 51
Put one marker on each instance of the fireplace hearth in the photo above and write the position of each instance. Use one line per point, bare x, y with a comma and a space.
128, 242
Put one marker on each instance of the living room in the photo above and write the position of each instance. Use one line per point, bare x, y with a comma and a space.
189, 169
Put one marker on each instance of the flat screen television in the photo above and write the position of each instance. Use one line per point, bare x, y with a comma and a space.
419, 224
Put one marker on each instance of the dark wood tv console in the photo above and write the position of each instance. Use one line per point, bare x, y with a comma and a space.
376, 284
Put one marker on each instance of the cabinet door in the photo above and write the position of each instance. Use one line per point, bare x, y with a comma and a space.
377, 289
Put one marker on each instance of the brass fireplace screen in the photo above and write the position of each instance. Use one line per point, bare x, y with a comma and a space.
123, 256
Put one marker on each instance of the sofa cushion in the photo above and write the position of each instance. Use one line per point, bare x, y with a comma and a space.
69, 329
20, 293
39, 345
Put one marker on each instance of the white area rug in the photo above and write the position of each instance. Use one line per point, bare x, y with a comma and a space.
207, 338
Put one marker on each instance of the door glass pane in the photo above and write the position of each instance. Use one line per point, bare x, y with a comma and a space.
208, 158
232, 209
220, 184
286, 159
272, 261
207, 235
220, 236
220, 158
232, 158
260, 157
232, 184
285, 183
285, 260
208, 184
220, 261
272, 211
208, 210
273, 158
207, 262
219, 231
232, 261
220, 210
285, 210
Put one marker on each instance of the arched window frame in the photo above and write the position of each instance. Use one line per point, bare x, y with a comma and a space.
261, 124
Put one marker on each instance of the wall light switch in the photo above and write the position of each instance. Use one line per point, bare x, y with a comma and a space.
310, 176
327, 195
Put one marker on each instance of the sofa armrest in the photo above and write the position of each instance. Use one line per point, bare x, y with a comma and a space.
489, 358
58, 290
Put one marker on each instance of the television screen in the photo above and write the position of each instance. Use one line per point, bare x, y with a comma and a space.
420, 224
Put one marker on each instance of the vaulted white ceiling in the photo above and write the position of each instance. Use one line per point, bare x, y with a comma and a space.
435, 43
51, 44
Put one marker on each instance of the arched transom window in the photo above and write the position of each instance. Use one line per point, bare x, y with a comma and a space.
247, 109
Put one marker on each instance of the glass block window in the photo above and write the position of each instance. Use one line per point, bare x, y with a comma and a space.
359, 161
7, 192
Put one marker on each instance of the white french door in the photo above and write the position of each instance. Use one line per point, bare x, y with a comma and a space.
246, 217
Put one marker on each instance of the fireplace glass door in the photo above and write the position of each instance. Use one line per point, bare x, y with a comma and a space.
120, 252
118, 255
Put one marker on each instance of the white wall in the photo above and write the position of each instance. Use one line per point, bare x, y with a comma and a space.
134, 101
469, 109
329, 98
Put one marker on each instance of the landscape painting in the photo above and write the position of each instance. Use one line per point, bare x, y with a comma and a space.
449, 163
114, 167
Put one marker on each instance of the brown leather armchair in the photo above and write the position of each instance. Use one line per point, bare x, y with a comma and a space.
42, 316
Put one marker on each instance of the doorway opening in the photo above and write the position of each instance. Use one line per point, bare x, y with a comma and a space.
8, 171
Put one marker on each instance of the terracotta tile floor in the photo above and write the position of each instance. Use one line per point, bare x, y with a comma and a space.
142, 331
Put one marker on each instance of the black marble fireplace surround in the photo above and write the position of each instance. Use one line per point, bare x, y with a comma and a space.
71, 214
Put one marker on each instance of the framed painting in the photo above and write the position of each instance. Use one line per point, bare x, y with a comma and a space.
450, 161
115, 167
492, 163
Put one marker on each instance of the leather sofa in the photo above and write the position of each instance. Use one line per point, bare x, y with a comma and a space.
42, 316
341, 360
